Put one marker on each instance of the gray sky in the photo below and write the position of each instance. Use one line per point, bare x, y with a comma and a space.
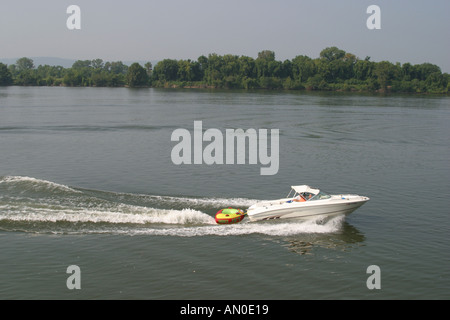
414, 31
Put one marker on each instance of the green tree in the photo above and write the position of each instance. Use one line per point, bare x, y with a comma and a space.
349, 61
100, 79
246, 67
324, 71
148, 67
137, 76
436, 82
407, 71
116, 80
116, 67
266, 55
303, 67
185, 72
332, 53
275, 68
317, 82
286, 69
97, 64
166, 70
83, 70
230, 66
79, 64
12, 68
24, 64
270, 83
27, 78
5, 75
422, 71
363, 69
336, 65
72, 78
262, 63
386, 71
213, 74
203, 64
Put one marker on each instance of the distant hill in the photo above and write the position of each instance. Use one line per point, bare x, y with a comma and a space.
66, 63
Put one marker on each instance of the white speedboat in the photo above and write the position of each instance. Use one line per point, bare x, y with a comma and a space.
306, 202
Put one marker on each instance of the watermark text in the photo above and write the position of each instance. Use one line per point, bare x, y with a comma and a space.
234, 142
74, 20
374, 280
74, 280
374, 21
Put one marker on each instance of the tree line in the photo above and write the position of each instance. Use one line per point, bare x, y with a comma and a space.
334, 70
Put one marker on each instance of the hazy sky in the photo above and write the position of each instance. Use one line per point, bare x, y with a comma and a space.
413, 31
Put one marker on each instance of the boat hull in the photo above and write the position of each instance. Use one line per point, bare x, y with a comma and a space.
305, 210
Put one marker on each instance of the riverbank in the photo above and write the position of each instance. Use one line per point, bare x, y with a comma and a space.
327, 87
334, 70
196, 86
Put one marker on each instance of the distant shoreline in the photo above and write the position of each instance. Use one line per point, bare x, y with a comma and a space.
175, 87
335, 70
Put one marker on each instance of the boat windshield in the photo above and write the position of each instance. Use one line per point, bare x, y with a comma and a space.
308, 194
320, 196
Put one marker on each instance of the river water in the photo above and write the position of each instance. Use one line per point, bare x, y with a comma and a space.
87, 178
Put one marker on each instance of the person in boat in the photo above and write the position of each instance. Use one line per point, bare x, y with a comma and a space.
299, 198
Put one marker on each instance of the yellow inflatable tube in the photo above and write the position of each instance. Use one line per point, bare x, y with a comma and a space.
229, 216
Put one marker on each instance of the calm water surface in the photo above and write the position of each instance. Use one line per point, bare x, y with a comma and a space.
86, 179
